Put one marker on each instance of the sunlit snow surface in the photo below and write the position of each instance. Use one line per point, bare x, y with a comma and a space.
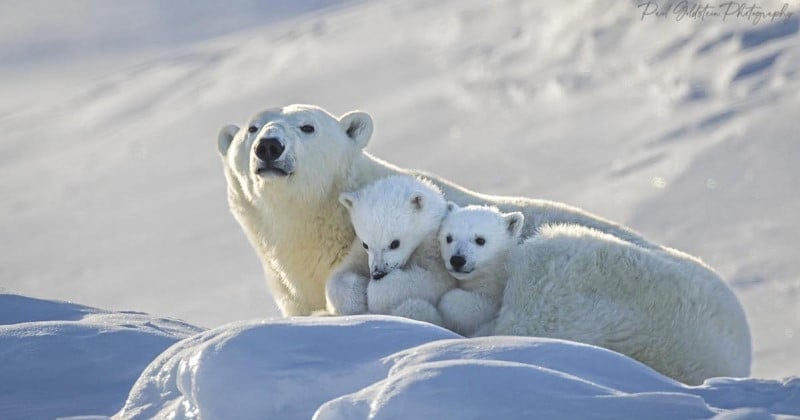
61, 359
111, 193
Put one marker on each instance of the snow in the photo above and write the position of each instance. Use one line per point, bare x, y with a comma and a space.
113, 196
62, 359
299, 363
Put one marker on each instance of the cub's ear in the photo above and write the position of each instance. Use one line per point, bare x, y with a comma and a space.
514, 223
417, 202
451, 206
225, 137
347, 200
358, 126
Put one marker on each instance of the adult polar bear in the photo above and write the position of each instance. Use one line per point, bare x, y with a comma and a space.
286, 169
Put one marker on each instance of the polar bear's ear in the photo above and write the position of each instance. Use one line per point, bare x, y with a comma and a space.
514, 223
347, 200
358, 126
451, 206
417, 202
225, 137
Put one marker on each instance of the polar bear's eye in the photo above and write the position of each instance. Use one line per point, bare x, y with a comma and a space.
308, 128
480, 241
364, 244
252, 129
449, 239
395, 244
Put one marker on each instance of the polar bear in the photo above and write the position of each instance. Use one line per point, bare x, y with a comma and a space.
577, 283
474, 243
396, 220
286, 167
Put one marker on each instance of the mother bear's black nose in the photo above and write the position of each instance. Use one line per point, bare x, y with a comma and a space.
269, 149
457, 261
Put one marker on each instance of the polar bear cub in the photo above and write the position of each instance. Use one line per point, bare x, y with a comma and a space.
394, 265
474, 243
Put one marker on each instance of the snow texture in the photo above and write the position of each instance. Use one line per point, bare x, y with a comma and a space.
386, 368
62, 359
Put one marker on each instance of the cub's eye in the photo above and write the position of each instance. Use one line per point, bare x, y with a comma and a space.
395, 244
449, 239
308, 128
252, 129
364, 244
480, 241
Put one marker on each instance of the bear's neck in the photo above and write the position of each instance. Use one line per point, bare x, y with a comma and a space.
305, 242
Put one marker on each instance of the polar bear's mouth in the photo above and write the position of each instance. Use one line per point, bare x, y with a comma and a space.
460, 273
269, 170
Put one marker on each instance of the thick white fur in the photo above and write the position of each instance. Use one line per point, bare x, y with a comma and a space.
408, 211
468, 309
301, 232
661, 307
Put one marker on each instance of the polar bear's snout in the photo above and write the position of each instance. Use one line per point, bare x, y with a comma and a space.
457, 262
269, 149
268, 155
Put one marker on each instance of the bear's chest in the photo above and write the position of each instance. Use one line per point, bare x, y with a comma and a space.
307, 249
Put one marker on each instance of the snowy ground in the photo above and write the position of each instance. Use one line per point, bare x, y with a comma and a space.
61, 359
112, 194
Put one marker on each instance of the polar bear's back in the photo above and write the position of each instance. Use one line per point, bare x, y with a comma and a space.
537, 212
659, 306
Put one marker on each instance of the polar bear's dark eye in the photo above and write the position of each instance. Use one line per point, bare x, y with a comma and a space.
449, 239
252, 129
308, 128
364, 244
395, 244
480, 241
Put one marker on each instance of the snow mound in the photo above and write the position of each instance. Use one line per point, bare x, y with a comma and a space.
383, 367
61, 359
272, 369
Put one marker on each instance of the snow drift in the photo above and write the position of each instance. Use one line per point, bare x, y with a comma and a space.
386, 368
62, 359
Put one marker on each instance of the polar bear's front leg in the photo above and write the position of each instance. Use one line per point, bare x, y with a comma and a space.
418, 309
346, 294
400, 285
464, 312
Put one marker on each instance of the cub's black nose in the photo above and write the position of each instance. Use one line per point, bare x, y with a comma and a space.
269, 149
457, 261
378, 275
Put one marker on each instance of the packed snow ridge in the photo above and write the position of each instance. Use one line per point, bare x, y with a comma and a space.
60, 359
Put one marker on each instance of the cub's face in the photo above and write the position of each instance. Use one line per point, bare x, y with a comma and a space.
297, 149
472, 238
392, 217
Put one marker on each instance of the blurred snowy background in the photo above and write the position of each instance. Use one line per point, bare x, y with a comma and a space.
112, 195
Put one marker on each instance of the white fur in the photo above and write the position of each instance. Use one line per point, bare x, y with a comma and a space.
396, 220
483, 237
661, 307
301, 232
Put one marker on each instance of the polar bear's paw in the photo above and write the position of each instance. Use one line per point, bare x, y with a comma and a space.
418, 309
346, 294
464, 312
